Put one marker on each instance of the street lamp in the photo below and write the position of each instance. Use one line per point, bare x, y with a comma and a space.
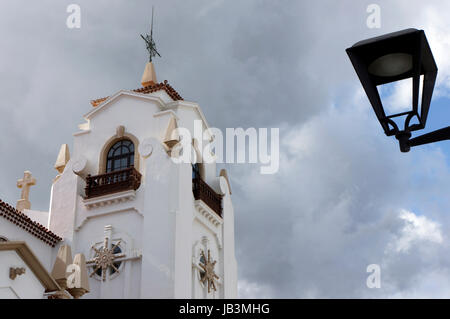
394, 57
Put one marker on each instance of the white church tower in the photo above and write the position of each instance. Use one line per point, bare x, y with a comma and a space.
149, 228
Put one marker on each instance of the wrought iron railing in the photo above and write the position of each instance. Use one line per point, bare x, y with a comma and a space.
112, 182
205, 193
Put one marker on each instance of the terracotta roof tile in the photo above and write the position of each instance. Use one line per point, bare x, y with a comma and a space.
146, 90
98, 101
25, 222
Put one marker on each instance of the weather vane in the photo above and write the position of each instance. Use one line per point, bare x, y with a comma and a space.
151, 46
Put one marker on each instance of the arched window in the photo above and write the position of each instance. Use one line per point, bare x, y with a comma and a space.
201, 271
196, 171
120, 156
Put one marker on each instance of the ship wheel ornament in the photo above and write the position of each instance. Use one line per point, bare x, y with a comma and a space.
105, 258
208, 271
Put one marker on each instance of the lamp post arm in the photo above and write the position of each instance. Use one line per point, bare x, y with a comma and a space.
436, 136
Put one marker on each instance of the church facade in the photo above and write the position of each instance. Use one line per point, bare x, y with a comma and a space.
142, 225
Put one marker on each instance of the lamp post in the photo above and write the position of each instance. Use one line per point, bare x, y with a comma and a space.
394, 57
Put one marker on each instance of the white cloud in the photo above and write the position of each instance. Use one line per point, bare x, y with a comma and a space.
248, 289
416, 229
396, 97
429, 284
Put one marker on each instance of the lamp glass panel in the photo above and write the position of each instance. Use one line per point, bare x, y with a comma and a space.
396, 96
391, 64
419, 109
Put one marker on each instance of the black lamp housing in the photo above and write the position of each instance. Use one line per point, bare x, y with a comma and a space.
394, 57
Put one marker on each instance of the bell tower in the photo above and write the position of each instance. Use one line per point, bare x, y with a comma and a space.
148, 226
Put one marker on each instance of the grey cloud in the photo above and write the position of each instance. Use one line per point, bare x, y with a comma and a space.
332, 211
308, 231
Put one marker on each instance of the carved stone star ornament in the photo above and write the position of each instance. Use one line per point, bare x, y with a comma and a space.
104, 258
208, 268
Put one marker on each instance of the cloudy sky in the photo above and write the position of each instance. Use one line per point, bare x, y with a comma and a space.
344, 197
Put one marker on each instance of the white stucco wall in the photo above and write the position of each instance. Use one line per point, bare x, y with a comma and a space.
15, 233
159, 220
25, 286
37, 216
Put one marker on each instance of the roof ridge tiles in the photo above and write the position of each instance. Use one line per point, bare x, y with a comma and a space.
22, 220
146, 90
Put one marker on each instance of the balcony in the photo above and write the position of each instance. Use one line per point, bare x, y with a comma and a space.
205, 193
113, 182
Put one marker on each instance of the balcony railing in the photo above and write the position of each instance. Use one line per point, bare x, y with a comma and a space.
113, 182
205, 193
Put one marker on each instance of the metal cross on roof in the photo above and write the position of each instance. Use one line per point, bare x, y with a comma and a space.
151, 46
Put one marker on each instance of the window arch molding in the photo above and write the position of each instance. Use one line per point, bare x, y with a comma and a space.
110, 143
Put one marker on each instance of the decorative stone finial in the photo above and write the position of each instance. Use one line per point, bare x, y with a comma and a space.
80, 282
64, 259
62, 160
149, 76
171, 137
25, 183
61, 294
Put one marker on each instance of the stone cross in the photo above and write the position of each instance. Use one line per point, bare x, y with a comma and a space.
25, 183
